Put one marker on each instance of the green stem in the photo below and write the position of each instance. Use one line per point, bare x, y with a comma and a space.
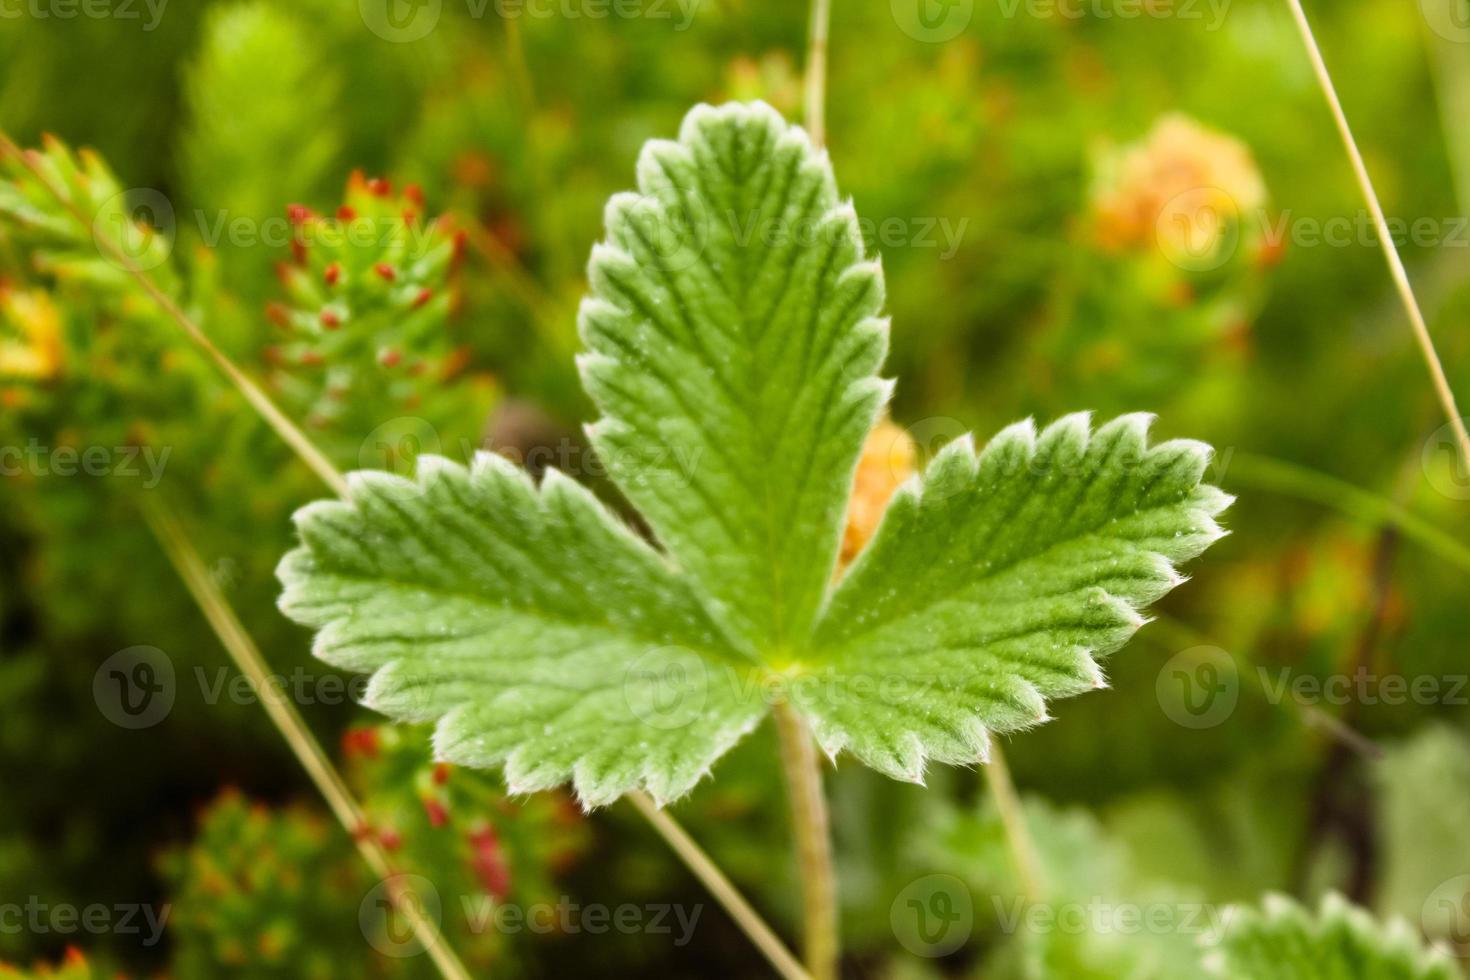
815, 108
811, 827
719, 886
288, 721
1013, 819
1293, 480
1438, 379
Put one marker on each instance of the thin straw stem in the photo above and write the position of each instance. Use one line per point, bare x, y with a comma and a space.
713, 879
308, 751
258, 399
1390, 250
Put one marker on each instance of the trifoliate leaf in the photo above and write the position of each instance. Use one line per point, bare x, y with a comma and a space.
536, 629
1284, 941
736, 374
734, 342
997, 582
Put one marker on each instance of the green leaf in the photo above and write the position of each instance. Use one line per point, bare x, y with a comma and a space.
997, 582
736, 373
734, 340
533, 626
1283, 941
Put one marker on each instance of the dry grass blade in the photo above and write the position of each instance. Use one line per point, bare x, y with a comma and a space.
1390, 251
283, 714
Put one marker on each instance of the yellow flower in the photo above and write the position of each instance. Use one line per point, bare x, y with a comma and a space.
30, 341
887, 461
1176, 191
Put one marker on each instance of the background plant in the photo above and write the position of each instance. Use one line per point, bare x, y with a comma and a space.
1000, 125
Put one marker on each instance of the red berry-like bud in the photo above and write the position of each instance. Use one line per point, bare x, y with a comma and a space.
423, 297
438, 815
298, 214
360, 741
347, 213
379, 187
276, 313
333, 275
389, 357
386, 271
488, 861
330, 320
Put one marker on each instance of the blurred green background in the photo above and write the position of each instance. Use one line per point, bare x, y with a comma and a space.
1111, 205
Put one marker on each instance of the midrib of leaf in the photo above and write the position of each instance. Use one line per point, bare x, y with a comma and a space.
748, 395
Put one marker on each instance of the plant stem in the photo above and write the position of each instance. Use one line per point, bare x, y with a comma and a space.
1291, 479
258, 399
1396, 268
283, 714
719, 886
1013, 819
809, 820
815, 80
811, 827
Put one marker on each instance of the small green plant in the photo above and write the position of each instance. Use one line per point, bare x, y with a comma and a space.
1283, 941
734, 337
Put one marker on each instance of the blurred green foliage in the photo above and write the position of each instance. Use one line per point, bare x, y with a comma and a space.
1074, 212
